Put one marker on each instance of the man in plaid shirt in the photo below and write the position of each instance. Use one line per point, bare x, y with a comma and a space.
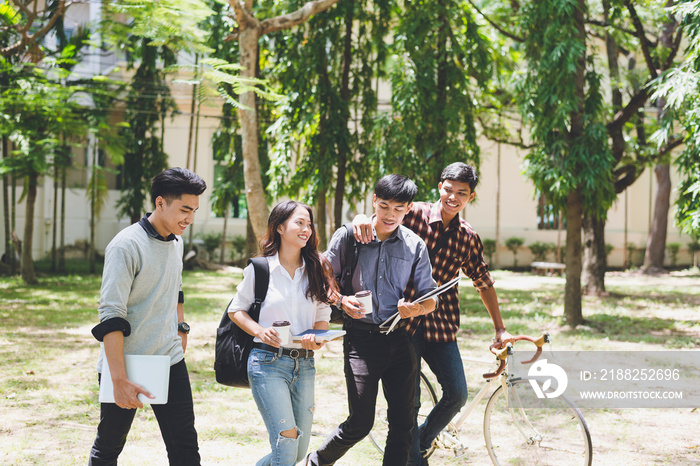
453, 246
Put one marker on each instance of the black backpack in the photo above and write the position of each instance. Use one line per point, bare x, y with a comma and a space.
233, 344
345, 278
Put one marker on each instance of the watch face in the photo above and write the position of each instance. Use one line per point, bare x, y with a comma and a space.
183, 327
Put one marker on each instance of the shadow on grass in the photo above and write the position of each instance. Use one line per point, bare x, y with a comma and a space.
670, 333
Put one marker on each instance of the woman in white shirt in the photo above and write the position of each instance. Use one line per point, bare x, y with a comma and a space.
281, 374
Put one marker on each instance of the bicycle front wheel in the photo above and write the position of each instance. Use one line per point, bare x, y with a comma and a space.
521, 429
428, 399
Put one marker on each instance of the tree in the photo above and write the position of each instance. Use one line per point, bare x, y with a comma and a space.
327, 70
250, 30
23, 26
39, 109
679, 88
442, 65
560, 97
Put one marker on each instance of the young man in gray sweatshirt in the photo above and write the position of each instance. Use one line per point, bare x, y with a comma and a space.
141, 312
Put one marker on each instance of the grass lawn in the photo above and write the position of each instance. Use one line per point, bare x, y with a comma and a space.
48, 385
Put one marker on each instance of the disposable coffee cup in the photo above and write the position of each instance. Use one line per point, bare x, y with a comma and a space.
282, 327
365, 297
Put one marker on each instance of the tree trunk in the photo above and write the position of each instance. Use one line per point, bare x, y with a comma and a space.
321, 220
14, 266
93, 201
594, 257
252, 246
572, 296
574, 208
248, 114
54, 228
62, 248
343, 156
656, 243
223, 237
28, 273
9, 251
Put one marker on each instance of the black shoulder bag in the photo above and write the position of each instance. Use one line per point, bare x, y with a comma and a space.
233, 344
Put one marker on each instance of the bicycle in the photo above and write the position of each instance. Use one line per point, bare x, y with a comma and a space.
518, 427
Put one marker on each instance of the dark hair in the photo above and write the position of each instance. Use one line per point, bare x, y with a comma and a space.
461, 172
318, 269
397, 188
174, 182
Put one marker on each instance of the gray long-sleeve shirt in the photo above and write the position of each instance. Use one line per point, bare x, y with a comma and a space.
385, 268
140, 283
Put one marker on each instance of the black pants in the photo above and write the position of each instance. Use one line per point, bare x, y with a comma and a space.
175, 418
369, 358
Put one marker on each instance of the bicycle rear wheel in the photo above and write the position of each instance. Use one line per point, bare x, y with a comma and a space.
520, 428
428, 399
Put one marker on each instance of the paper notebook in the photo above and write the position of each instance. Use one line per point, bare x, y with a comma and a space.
151, 372
321, 335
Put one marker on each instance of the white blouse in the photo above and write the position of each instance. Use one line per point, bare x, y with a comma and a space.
285, 299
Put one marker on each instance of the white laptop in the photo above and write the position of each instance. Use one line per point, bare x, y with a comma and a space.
151, 372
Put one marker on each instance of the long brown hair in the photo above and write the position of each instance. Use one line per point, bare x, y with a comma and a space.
318, 269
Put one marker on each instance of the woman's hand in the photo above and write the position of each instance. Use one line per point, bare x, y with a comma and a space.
309, 342
269, 336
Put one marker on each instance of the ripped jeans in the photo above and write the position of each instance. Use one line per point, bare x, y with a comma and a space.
283, 389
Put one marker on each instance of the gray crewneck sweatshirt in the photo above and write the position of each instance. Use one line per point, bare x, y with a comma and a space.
141, 280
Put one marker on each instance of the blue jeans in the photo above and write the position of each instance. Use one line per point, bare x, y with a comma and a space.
445, 362
283, 389
175, 418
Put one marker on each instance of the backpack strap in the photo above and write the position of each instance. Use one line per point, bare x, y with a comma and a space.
262, 281
350, 259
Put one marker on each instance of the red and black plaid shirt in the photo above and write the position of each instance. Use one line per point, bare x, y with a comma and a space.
463, 251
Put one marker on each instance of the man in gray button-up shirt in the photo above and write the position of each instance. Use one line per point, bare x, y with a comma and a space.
396, 259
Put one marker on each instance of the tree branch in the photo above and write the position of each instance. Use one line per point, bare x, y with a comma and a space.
643, 41
295, 18
623, 116
496, 26
606, 24
29, 39
243, 17
674, 49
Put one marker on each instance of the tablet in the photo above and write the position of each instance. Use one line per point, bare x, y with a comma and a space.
150, 371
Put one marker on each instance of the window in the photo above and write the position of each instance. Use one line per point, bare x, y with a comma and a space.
547, 217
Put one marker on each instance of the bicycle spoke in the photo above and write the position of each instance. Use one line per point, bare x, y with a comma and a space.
521, 430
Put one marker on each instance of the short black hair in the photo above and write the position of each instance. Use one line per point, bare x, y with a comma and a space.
461, 172
174, 182
397, 188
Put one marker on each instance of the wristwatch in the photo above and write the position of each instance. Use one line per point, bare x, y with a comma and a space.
183, 327
339, 303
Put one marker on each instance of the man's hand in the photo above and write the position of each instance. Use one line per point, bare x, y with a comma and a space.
183, 336
503, 336
362, 228
353, 307
407, 309
126, 394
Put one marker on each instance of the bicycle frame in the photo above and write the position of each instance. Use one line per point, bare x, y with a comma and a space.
453, 442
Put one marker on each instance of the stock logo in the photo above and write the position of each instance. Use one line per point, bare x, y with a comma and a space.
555, 379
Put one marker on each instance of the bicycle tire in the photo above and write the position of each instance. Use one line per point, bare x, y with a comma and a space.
381, 425
549, 431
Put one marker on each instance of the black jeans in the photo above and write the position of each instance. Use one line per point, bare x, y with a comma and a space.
175, 418
369, 358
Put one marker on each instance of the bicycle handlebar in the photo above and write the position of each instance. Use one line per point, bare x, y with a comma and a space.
502, 351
